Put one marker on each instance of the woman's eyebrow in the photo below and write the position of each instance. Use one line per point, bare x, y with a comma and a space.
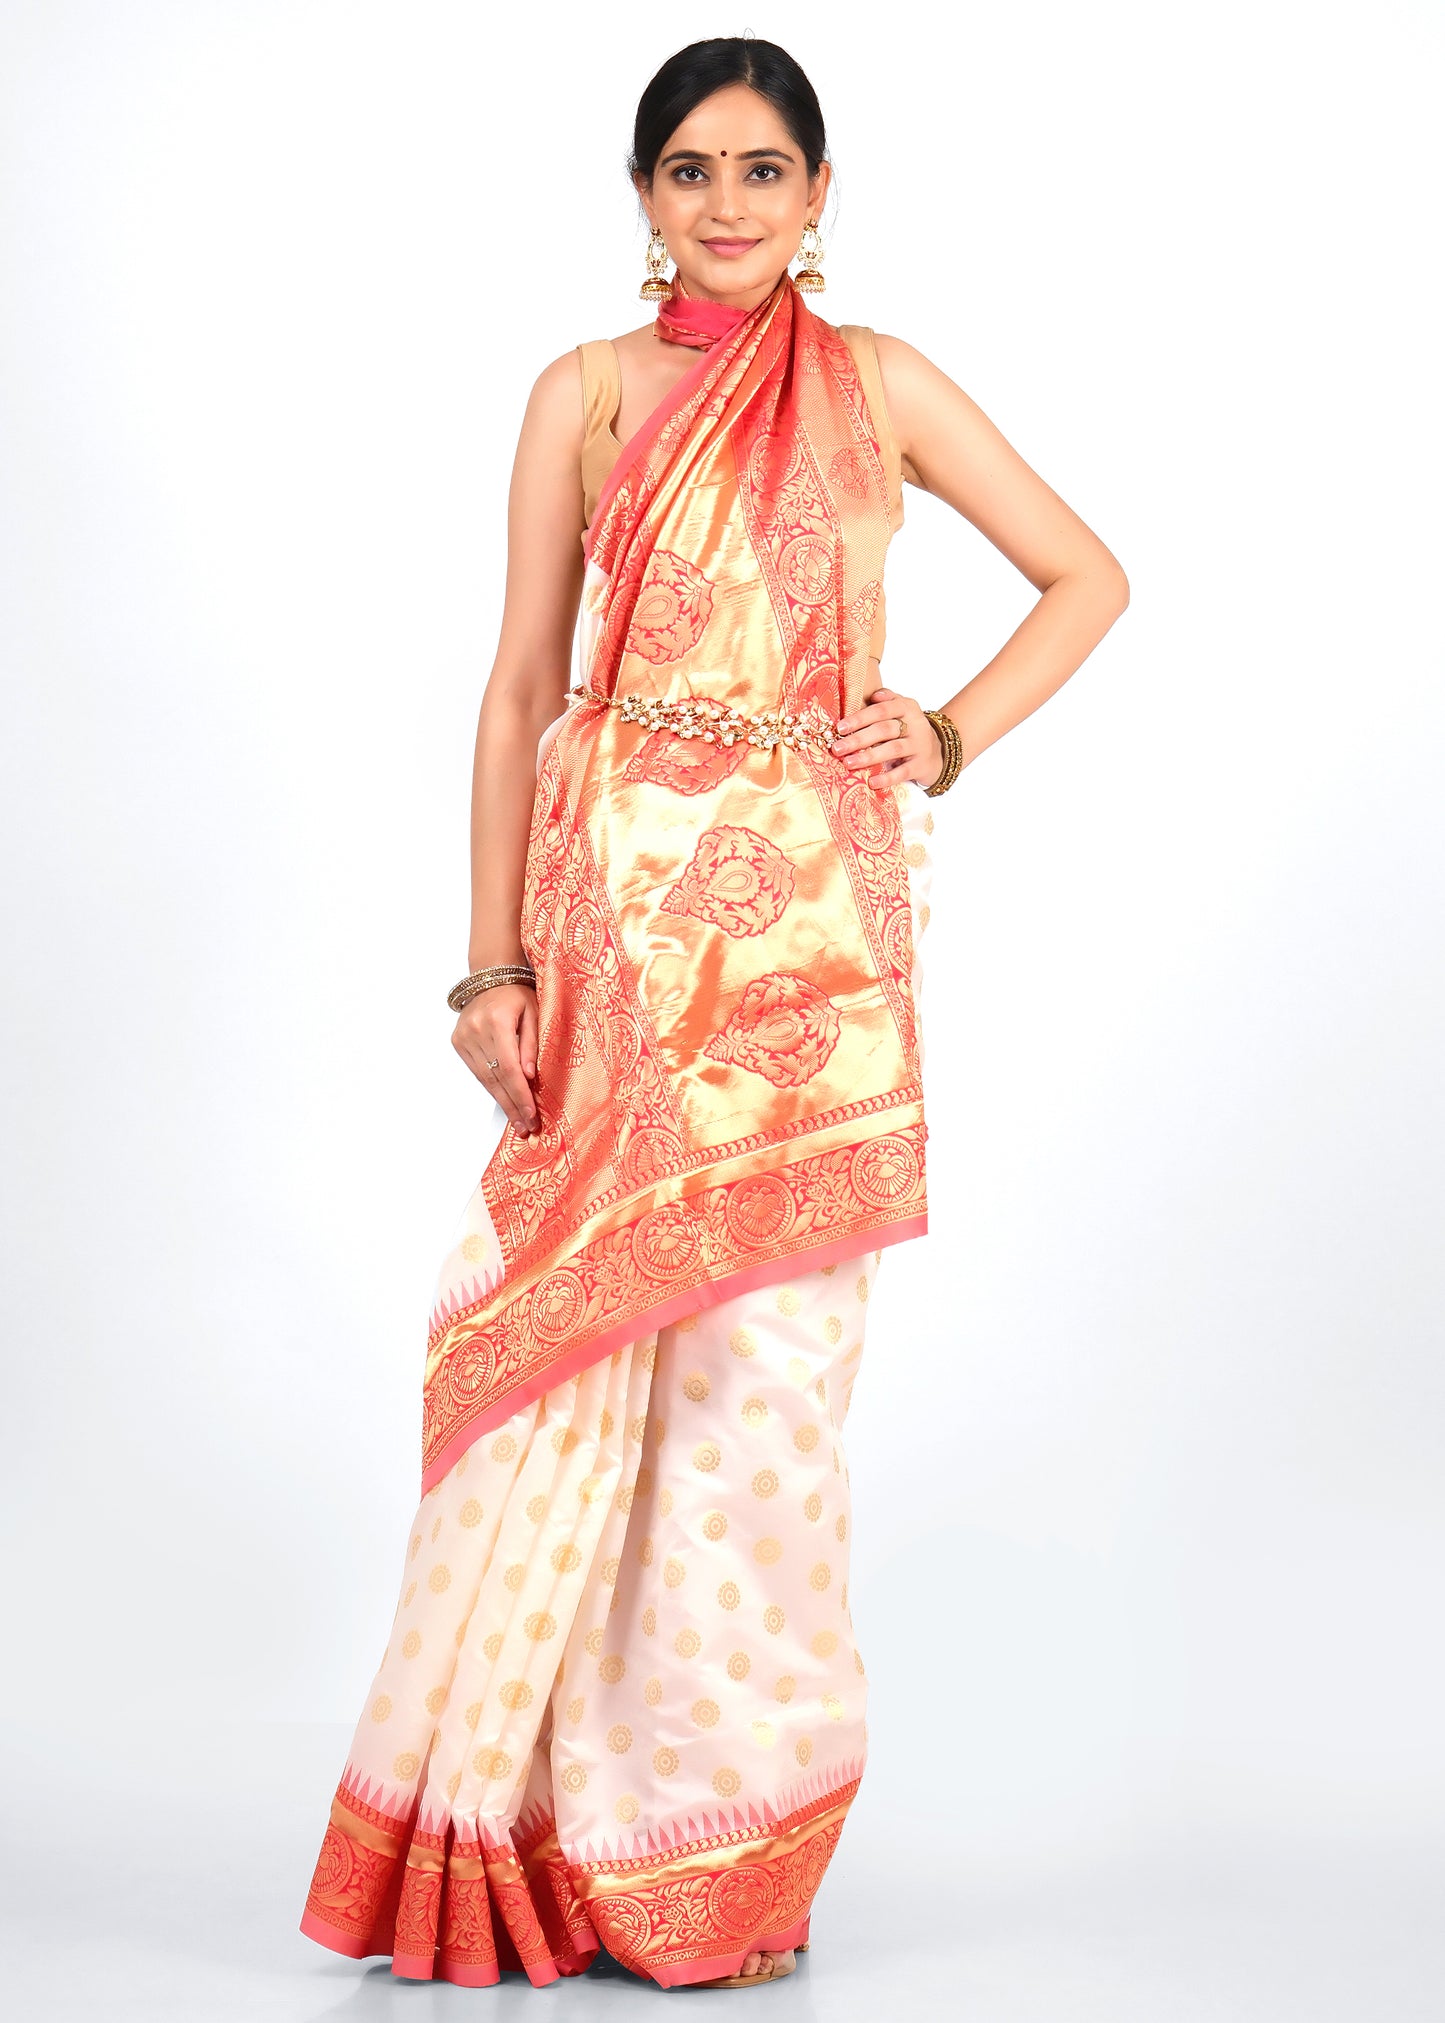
748, 155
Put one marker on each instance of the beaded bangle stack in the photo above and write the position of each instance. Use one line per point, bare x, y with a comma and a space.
472, 986
952, 745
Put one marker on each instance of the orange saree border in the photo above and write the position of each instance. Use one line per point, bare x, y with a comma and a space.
447, 1908
661, 1265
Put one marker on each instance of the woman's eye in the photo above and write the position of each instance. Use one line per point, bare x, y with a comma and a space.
769, 171
686, 172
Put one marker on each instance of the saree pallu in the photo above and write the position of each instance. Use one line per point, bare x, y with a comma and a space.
622, 1702
728, 1082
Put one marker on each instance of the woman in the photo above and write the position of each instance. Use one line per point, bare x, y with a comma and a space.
622, 1701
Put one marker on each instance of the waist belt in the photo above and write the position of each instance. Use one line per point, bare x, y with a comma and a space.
719, 723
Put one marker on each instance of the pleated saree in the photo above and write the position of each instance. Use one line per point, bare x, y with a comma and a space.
622, 1702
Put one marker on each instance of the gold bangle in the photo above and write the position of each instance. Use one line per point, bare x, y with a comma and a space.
951, 741
461, 994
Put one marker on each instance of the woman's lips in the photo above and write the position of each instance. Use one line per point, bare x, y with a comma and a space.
730, 246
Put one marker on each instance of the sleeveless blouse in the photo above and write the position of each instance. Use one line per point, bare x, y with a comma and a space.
602, 395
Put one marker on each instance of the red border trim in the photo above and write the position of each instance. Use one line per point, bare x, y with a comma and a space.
712, 1292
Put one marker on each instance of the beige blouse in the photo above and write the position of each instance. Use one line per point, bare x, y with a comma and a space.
602, 394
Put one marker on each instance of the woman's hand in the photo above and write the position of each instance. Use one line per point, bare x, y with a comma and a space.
890, 733
496, 1036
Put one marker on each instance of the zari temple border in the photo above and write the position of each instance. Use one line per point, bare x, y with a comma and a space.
450, 1909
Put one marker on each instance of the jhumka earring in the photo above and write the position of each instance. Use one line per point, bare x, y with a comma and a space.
810, 252
656, 288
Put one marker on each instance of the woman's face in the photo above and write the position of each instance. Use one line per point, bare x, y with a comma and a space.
731, 195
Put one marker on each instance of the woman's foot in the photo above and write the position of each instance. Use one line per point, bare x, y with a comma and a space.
758, 1967
767, 1966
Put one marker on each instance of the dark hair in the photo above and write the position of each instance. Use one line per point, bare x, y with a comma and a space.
696, 72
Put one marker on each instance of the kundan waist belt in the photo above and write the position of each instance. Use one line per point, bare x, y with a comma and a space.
697, 716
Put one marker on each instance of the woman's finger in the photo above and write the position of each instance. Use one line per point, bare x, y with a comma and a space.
528, 1036
491, 1052
875, 720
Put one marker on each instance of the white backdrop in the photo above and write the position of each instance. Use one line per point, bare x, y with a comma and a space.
1147, 1450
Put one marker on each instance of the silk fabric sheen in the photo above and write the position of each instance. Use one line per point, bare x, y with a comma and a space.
728, 1081
694, 321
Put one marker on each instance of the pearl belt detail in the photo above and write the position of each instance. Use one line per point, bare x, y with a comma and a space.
719, 723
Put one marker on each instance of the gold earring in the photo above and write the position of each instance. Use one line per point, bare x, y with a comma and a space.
809, 280
656, 288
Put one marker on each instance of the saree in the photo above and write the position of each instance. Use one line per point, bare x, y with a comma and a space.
622, 1703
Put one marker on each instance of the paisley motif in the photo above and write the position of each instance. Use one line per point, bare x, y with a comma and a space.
736, 880
784, 1029
673, 606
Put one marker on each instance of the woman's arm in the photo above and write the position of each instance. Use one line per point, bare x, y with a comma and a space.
952, 449
525, 691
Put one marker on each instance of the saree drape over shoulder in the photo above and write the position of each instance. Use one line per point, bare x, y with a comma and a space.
622, 1702
728, 1080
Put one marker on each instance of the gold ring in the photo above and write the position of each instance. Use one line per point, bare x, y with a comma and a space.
902, 728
